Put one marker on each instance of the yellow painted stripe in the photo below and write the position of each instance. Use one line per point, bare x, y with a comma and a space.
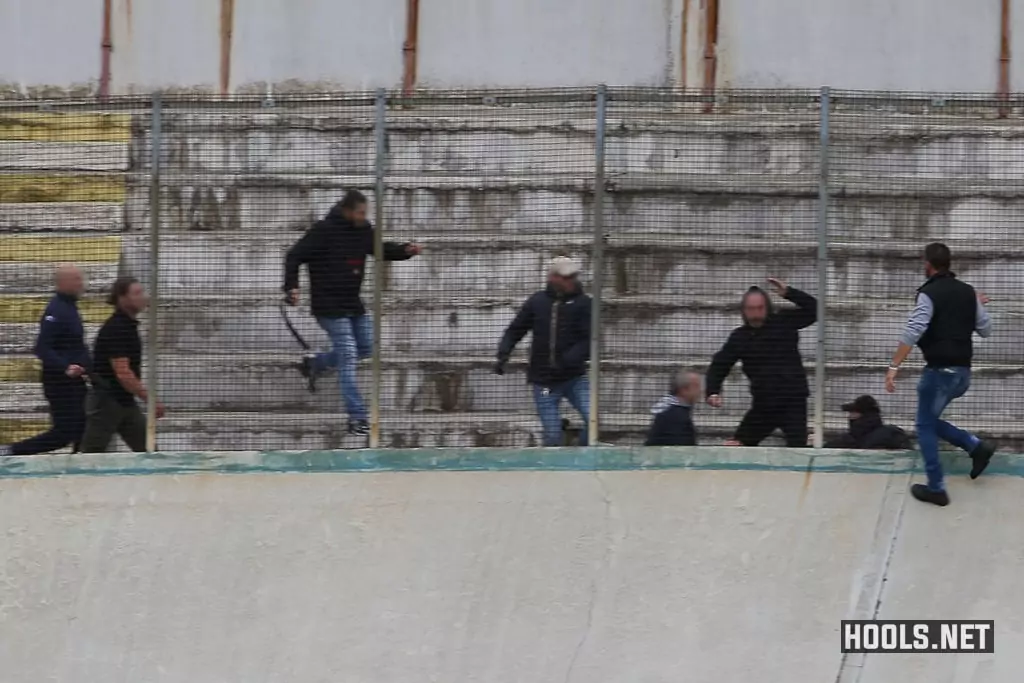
19, 370
58, 249
68, 127
71, 188
14, 430
27, 309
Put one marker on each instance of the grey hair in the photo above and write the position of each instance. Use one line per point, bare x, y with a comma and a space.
683, 377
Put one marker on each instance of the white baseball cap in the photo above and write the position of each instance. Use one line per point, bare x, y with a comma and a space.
564, 266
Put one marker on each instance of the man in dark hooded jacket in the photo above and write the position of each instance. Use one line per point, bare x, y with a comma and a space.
867, 431
768, 346
335, 250
559, 318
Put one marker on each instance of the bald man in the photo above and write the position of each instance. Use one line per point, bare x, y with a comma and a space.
61, 349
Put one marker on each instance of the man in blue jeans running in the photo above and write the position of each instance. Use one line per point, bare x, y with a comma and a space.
559, 318
947, 314
335, 250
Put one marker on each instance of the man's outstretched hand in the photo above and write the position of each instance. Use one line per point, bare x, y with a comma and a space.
778, 286
292, 297
715, 401
413, 249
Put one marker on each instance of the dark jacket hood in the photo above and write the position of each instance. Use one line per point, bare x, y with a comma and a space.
768, 302
336, 218
865, 424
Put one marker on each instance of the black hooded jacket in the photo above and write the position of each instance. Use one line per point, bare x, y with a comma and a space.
870, 433
335, 251
770, 354
560, 323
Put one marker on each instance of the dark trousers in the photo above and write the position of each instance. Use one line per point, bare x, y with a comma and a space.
107, 417
766, 415
67, 419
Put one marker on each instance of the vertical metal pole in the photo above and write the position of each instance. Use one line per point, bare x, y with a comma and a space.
597, 259
821, 356
152, 332
380, 134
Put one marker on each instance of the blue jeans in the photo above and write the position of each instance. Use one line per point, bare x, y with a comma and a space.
351, 340
936, 390
548, 398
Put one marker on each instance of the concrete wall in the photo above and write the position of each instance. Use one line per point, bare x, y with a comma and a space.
243, 46
576, 576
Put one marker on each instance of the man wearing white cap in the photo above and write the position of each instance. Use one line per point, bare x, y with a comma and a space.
559, 318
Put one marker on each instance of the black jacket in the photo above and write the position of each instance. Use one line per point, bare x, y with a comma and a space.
61, 340
770, 354
335, 251
672, 424
868, 432
561, 335
948, 341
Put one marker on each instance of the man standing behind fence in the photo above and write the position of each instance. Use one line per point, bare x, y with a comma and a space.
768, 345
61, 349
334, 251
559, 318
112, 407
947, 314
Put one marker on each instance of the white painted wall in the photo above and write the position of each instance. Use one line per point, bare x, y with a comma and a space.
860, 44
331, 44
543, 43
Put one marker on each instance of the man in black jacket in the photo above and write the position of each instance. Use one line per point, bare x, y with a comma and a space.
673, 414
768, 346
946, 315
867, 431
559, 318
61, 349
334, 251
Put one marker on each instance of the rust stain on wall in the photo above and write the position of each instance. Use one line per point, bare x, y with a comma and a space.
227, 25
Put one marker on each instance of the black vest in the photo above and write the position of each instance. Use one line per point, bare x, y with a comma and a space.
947, 343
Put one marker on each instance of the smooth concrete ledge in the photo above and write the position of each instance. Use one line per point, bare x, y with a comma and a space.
495, 459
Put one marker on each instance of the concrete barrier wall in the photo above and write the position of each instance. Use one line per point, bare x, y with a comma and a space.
605, 565
261, 44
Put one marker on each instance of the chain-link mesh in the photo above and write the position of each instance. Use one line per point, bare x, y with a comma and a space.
703, 207
704, 199
64, 171
494, 186
907, 170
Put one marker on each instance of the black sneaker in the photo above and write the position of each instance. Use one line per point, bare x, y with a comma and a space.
359, 427
305, 368
981, 455
926, 495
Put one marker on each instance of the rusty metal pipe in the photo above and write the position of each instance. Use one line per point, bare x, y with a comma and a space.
710, 51
685, 30
106, 47
1003, 88
409, 47
227, 27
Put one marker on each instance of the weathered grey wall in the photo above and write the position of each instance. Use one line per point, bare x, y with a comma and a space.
195, 44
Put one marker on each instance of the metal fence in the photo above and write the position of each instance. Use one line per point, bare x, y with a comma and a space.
674, 204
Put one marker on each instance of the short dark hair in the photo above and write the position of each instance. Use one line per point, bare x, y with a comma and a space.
352, 199
120, 288
938, 256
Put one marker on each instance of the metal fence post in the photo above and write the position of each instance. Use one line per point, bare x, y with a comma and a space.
819, 367
380, 135
597, 259
153, 331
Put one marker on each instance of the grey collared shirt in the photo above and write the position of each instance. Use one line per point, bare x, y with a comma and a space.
922, 314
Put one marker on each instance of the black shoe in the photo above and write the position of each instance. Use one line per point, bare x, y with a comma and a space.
305, 368
359, 427
926, 495
981, 455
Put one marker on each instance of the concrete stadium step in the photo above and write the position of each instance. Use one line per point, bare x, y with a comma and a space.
38, 156
658, 264
213, 431
44, 217
268, 382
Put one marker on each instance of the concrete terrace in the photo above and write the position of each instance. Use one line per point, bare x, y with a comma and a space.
698, 208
